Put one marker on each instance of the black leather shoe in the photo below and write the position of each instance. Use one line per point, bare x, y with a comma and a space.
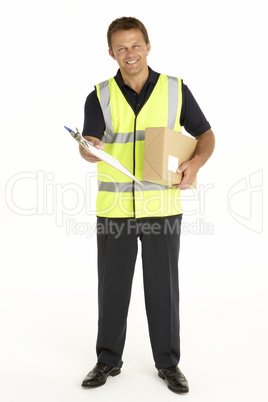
175, 379
99, 375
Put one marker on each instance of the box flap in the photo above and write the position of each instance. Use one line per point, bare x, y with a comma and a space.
153, 153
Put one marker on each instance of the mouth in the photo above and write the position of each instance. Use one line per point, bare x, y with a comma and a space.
132, 62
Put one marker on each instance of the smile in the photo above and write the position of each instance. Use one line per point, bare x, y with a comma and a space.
132, 62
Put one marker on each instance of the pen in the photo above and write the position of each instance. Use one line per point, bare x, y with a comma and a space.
79, 138
70, 131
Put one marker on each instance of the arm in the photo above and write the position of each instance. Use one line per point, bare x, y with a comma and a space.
93, 123
87, 155
204, 149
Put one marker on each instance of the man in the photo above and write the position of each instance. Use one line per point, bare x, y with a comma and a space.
116, 115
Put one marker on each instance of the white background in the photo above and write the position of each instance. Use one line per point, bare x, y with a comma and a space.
53, 53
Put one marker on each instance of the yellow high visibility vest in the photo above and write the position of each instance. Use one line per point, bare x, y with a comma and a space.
119, 196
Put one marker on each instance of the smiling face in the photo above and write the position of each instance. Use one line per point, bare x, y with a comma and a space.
130, 51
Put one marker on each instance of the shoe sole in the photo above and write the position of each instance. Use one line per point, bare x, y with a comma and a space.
112, 374
172, 389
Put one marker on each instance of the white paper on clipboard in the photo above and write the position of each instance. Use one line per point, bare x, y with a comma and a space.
111, 161
102, 155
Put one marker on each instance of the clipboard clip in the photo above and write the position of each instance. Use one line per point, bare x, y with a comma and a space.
78, 137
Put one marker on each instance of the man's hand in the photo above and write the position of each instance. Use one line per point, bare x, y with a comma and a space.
189, 170
88, 156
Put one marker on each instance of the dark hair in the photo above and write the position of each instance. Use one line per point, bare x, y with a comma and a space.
126, 23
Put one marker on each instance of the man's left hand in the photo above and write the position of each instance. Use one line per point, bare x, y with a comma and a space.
189, 171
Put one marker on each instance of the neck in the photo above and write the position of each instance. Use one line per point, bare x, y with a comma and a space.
136, 82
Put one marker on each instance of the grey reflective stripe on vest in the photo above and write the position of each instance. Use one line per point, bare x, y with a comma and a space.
127, 187
122, 138
173, 100
106, 106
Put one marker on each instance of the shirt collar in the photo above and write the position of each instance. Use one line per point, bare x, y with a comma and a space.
153, 77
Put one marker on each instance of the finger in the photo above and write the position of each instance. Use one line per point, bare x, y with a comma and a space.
92, 158
99, 145
181, 186
186, 182
181, 168
184, 186
95, 159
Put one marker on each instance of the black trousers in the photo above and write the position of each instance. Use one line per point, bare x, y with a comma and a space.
117, 250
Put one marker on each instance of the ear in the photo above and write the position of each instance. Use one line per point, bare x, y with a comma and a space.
111, 53
148, 46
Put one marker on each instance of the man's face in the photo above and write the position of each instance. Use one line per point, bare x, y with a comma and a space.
130, 51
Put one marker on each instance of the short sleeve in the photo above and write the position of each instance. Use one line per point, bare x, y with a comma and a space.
94, 124
192, 117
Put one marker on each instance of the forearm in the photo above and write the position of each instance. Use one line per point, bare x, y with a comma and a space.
204, 148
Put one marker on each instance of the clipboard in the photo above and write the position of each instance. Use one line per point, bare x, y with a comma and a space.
102, 155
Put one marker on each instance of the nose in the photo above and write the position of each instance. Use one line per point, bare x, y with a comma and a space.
130, 52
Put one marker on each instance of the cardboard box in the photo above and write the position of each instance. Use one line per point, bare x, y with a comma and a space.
164, 151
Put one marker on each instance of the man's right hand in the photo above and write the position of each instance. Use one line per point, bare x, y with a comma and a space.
88, 156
